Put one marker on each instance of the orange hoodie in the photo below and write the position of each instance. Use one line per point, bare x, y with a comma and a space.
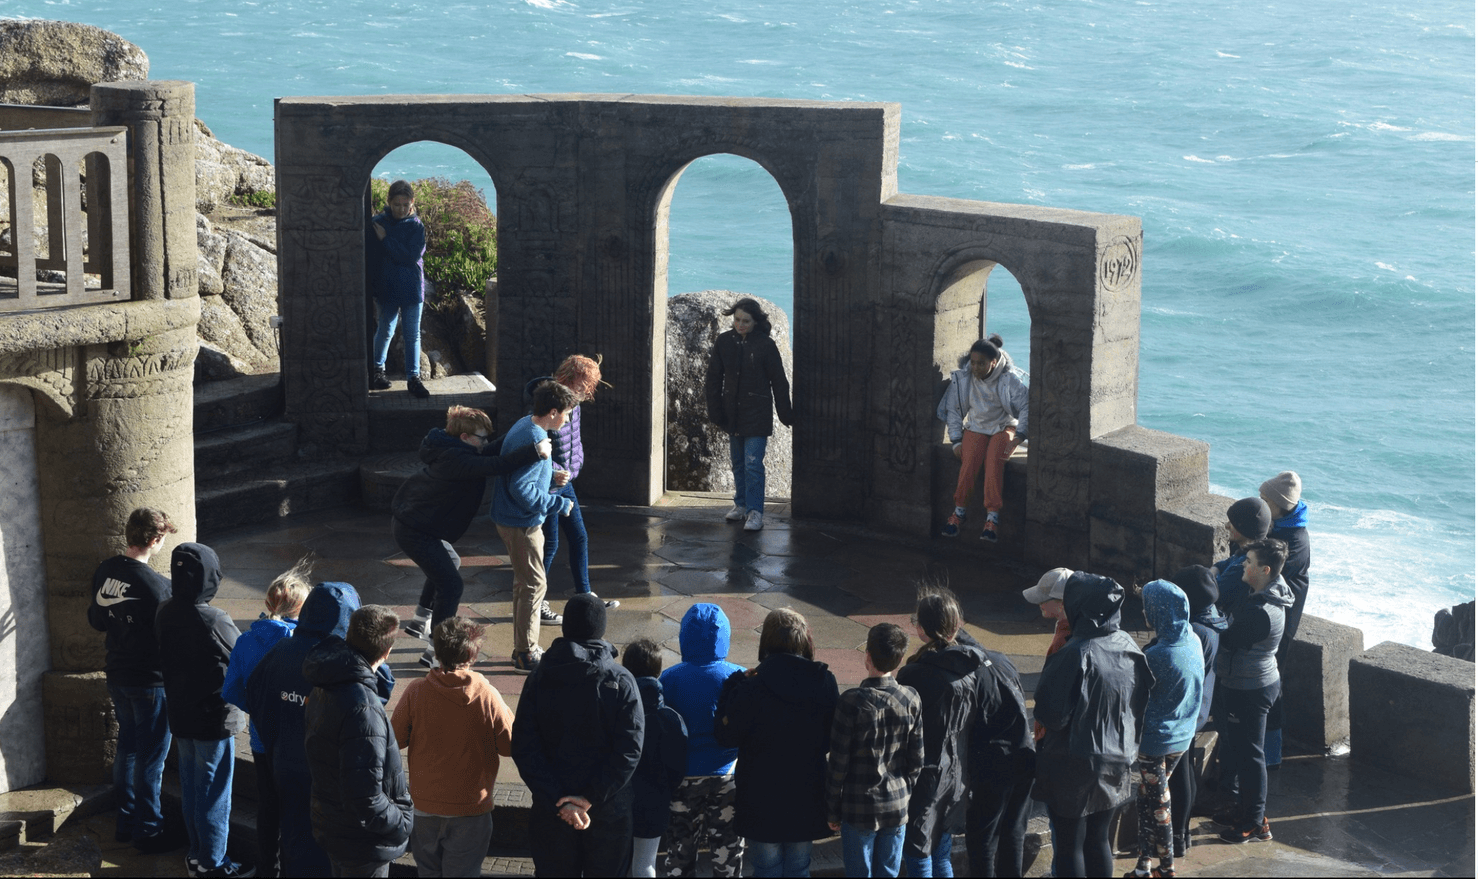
454, 727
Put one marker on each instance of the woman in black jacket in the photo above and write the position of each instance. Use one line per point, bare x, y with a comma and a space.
1090, 699
943, 674
778, 714
745, 384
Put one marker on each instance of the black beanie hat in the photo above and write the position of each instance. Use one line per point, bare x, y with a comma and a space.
1198, 582
1251, 517
585, 618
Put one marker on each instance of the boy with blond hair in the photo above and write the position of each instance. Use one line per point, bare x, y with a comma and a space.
432, 510
455, 727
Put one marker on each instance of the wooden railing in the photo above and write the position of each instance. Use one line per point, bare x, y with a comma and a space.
101, 273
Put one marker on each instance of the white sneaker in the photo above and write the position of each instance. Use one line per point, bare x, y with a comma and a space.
735, 515
428, 658
548, 615
418, 626
755, 522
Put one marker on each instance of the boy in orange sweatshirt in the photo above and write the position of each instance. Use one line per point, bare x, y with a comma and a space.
454, 727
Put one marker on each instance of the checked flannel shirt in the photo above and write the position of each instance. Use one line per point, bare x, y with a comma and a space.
877, 752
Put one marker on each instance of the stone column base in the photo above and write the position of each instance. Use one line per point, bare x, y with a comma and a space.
81, 731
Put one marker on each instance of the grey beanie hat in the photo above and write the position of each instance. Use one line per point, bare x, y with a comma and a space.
1284, 490
1251, 517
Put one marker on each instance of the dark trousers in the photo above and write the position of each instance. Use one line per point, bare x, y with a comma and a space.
1243, 729
1182, 796
442, 566
269, 816
602, 849
995, 826
576, 538
1081, 845
301, 853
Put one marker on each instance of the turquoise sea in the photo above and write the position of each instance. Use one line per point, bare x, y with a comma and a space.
1304, 171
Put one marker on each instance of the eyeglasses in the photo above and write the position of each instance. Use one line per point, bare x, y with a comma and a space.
481, 436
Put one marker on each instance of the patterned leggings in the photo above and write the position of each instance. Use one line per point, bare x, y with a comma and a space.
1156, 837
704, 807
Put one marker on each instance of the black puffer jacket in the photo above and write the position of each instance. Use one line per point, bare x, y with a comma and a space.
579, 726
195, 642
779, 717
1091, 699
745, 375
361, 804
441, 498
945, 682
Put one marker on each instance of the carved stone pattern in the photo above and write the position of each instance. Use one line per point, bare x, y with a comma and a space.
52, 372
127, 378
329, 382
315, 200
1118, 266
902, 436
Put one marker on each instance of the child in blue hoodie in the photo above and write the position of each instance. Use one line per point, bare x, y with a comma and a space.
284, 601
1170, 718
704, 802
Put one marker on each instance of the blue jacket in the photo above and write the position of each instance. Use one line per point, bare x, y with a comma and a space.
568, 450
1229, 586
394, 265
250, 648
693, 685
522, 499
664, 762
1179, 668
276, 689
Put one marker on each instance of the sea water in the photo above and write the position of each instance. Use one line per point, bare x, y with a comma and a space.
1304, 172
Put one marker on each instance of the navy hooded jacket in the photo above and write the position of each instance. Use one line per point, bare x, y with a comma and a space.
277, 690
195, 642
664, 762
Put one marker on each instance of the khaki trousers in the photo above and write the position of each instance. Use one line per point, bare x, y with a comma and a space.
526, 554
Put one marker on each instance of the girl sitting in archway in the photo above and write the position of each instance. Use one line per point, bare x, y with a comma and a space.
985, 409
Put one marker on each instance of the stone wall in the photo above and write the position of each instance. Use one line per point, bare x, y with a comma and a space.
23, 635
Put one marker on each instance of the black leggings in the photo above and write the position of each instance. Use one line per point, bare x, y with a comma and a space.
1081, 845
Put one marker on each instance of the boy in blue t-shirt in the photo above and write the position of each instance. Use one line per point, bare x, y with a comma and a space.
521, 502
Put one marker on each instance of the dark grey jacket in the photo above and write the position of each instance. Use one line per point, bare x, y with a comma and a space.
946, 684
1247, 656
1091, 699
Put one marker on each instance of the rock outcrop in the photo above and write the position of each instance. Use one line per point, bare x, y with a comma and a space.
223, 171
56, 62
698, 451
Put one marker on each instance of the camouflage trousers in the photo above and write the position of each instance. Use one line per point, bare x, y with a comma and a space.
703, 807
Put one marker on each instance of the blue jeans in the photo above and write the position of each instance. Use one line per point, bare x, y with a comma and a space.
937, 864
143, 743
747, 457
410, 335
205, 794
872, 852
779, 858
439, 561
573, 526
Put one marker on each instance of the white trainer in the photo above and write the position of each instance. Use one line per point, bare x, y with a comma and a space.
755, 522
735, 515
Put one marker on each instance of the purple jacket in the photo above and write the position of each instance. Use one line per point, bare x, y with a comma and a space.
569, 452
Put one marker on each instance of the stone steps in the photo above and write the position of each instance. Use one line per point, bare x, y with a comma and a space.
258, 445
252, 497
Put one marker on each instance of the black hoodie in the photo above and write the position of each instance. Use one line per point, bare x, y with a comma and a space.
441, 498
195, 642
946, 684
779, 716
361, 804
1091, 699
579, 726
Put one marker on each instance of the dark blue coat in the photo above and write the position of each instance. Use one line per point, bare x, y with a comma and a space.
664, 762
394, 264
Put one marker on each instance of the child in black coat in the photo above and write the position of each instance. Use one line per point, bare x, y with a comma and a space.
664, 757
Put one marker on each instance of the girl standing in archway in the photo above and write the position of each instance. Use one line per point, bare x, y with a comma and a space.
985, 409
745, 386
394, 255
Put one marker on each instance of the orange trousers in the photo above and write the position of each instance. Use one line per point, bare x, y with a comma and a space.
990, 450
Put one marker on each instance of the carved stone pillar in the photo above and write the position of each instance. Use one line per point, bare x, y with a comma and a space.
160, 115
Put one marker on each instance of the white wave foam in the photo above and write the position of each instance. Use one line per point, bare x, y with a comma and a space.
1019, 66
584, 56
1198, 159
548, 4
1088, 167
1438, 135
1387, 267
1221, 54
1382, 126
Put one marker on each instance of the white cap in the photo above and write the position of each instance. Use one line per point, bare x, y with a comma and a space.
1049, 587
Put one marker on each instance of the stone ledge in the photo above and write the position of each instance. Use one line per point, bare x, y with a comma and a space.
1193, 532
1137, 471
1316, 681
1411, 712
95, 324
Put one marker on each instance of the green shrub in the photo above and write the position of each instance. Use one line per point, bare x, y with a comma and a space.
461, 233
262, 198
